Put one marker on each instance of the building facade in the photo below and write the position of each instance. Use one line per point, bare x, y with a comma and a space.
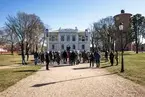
69, 39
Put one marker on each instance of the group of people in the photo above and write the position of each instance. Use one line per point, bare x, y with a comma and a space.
73, 58
95, 58
65, 57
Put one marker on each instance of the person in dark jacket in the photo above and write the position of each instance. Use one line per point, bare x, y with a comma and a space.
47, 59
35, 58
58, 58
65, 57
111, 58
97, 59
72, 58
50, 56
91, 60
42, 57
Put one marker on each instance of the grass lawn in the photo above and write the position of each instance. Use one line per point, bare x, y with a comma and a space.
9, 77
134, 67
6, 60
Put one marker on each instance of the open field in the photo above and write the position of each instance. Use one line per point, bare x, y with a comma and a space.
8, 60
134, 67
8, 77
11, 70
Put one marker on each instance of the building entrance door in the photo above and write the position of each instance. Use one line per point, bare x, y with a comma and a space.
68, 48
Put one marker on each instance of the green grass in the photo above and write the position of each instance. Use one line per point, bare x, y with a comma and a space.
134, 67
9, 77
7, 60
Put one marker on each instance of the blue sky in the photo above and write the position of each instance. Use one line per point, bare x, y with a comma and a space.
69, 13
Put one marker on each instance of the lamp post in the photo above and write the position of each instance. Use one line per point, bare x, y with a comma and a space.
122, 48
47, 38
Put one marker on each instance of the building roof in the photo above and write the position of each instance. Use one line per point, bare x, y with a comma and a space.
67, 30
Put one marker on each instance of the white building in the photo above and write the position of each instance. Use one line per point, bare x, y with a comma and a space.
69, 39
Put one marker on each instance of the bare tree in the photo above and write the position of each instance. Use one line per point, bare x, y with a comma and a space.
25, 27
105, 31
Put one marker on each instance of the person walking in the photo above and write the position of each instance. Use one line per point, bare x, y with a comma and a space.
35, 58
65, 57
111, 58
58, 58
50, 56
116, 57
77, 58
42, 58
97, 59
47, 59
91, 60
73, 58
80, 57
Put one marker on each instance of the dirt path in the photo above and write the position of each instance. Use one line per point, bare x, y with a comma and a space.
74, 81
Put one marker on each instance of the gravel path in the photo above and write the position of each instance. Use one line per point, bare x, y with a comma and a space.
74, 81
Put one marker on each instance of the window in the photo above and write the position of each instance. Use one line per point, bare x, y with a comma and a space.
73, 38
68, 38
53, 38
74, 47
62, 38
83, 38
62, 46
80, 38
83, 47
87, 38
53, 47
50, 38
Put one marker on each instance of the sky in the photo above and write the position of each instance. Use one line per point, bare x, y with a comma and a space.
69, 13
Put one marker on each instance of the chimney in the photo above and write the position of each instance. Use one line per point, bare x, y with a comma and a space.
76, 29
122, 11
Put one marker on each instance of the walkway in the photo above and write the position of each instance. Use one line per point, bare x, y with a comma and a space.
74, 81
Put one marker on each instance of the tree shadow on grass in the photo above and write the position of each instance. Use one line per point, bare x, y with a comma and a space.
60, 65
13, 61
44, 84
128, 54
106, 66
26, 71
20, 63
81, 68
4, 65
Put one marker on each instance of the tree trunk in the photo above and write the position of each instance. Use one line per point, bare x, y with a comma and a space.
22, 53
27, 51
12, 48
42, 48
33, 48
136, 40
108, 43
112, 47
12, 45
36, 47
